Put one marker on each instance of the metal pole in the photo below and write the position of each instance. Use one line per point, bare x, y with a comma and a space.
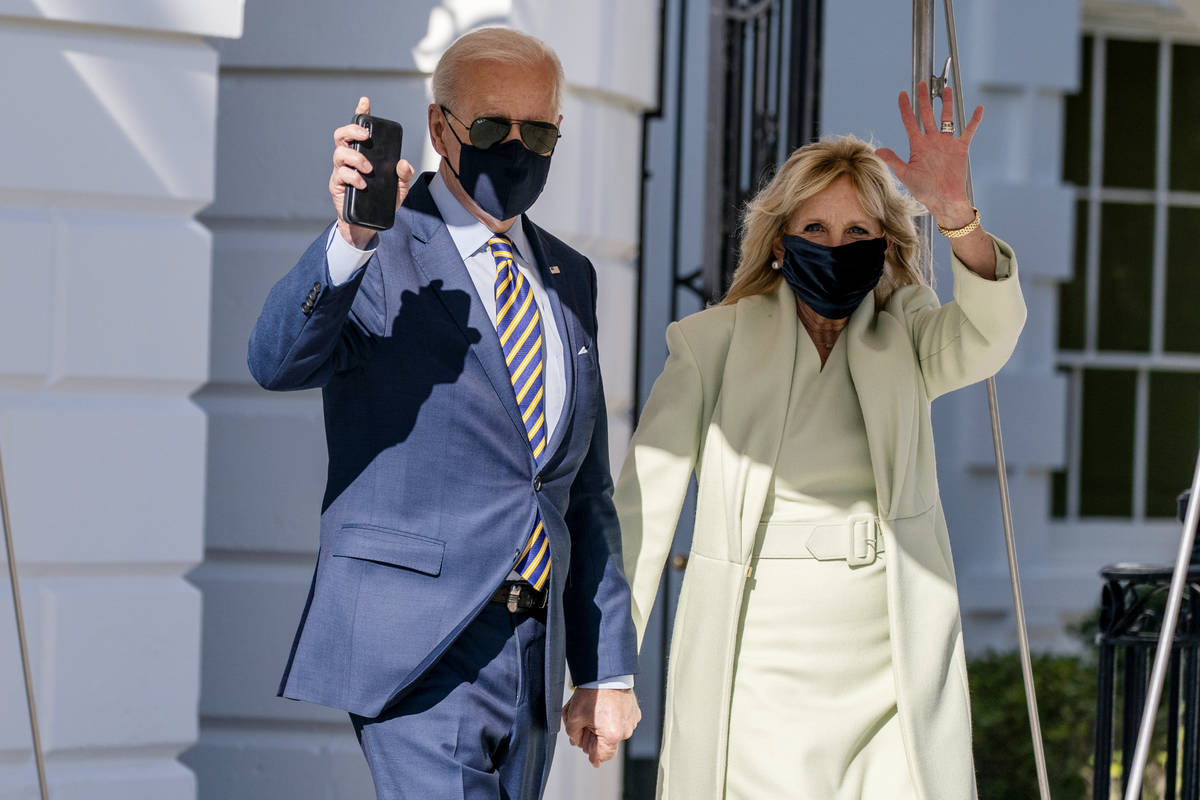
1035, 723
38, 760
1031, 704
922, 70
1166, 637
923, 42
959, 103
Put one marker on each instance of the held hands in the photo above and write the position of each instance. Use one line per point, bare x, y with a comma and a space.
936, 171
598, 720
347, 164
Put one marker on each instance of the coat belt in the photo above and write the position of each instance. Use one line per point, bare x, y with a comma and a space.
856, 540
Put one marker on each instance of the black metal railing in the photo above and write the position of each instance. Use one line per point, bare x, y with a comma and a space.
1130, 621
764, 81
1131, 616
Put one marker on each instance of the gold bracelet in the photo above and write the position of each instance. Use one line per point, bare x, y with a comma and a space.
958, 233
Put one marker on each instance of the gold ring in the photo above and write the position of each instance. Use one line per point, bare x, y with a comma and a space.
948, 126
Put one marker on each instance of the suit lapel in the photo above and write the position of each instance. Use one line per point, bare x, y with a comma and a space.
437, 259
566, 332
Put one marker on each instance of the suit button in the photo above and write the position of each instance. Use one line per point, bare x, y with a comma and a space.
537, 483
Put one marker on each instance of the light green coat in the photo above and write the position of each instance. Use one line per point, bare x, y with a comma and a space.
718, 409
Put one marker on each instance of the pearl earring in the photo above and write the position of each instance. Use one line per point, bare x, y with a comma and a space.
774, 265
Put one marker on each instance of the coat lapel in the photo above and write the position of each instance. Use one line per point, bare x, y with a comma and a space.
886, 378
566, 332
758, 375
761, 363
437, 258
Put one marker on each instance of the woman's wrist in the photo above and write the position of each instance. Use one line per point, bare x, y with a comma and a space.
953, 216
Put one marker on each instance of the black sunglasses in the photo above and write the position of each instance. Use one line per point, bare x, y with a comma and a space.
485, 132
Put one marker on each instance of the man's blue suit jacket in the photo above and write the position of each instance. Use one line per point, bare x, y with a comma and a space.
432, 488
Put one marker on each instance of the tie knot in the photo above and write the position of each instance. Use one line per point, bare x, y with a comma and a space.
501, 246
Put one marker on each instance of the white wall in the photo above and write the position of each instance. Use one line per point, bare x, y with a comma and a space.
108, 132
1019, 58
285, 85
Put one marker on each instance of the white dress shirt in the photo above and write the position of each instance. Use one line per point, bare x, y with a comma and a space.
470, 237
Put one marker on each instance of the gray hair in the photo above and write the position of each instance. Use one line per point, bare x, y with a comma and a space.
493, 44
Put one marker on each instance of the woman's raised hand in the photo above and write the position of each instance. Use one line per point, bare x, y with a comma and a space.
936, 171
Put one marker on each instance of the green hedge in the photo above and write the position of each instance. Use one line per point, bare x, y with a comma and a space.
1066, 689
1004, 765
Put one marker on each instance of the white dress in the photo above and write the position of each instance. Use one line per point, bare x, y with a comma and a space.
813, 713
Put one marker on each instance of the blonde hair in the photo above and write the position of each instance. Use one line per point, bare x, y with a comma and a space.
808, 171
493, 44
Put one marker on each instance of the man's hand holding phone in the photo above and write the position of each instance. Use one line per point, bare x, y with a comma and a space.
349, 166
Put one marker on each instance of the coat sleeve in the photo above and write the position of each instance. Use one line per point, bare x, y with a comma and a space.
310, 329
599, 633
970, 338
658, 468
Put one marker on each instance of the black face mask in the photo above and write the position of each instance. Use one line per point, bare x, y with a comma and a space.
832, 281
505, 179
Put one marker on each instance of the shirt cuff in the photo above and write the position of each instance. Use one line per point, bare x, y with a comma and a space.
344, 259
615, 682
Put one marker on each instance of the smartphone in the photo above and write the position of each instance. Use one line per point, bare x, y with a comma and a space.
375, 206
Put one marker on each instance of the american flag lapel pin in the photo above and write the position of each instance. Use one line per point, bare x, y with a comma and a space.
554, 270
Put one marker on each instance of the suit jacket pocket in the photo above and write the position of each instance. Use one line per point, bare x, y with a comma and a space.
389, 546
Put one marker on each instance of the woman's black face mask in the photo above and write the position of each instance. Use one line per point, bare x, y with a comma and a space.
832, 281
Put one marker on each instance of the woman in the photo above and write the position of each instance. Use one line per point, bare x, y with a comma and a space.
817, 650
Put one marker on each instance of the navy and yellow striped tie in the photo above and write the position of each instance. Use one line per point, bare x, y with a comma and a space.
519, 327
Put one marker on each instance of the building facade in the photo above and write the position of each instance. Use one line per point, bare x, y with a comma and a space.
164, 508
108, 131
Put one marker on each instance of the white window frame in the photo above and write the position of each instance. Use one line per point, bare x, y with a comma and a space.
1129, 23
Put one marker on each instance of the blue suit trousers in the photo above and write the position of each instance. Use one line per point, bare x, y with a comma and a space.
474, 726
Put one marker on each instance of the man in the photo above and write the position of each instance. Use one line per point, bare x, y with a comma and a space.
468, 538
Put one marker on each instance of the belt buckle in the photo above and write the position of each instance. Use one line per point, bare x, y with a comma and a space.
513, 604
864, 541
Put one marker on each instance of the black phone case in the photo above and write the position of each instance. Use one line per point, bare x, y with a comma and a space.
375, 206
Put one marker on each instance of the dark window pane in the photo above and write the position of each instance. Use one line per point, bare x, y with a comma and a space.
1181, 331
1185, 118
1126, 276
1106, 459
1174, 436
1058, 493
1130, 116
1077, 118
1072, 305
1058, 477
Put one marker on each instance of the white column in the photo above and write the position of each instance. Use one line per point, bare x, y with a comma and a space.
108, 133
294, 76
